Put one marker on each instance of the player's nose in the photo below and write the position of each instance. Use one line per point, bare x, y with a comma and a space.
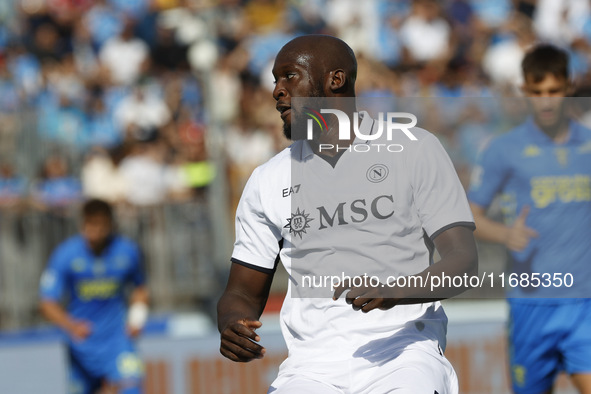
279, 91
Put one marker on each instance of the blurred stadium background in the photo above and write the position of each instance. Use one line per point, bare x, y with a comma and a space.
164, 108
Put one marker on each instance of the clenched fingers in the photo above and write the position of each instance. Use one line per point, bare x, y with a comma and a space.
238, 343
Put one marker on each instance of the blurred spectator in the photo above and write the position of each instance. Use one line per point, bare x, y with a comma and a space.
142, 109
61, 121
9, 94
100, 128
83, 51
230, 24
197, 171
103, 22
264, 15
9, 106
262, 50
25, 71
307, 16
101, 178
148, 179
13, 188
56, 194
167, 53
134, 9
425, 34
560, 22
502, 60
247, 147
56, 188
125, 56
354, 22
491, 13
65, 81
225, 99
47, 43
462, 20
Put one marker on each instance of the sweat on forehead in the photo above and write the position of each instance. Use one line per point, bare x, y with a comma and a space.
320, 51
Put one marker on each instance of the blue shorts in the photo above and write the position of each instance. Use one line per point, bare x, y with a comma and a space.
545, 339
116, 364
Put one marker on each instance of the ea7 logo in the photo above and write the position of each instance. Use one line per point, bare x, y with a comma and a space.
288, 191
357, 211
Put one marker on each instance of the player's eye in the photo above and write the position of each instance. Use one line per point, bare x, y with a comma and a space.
290, 75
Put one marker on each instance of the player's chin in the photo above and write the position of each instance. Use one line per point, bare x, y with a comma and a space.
548, 120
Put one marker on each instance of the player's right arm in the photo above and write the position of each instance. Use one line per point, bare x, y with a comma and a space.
254, 259
56, 314
52, 287
239, 310
515, 237
488, 178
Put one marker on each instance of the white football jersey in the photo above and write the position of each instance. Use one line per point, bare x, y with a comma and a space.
374, 213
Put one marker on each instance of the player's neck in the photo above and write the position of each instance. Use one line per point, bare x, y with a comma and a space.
559, 133
329, 144
98, 249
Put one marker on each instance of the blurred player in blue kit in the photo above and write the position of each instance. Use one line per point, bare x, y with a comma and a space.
542, 170
93, 270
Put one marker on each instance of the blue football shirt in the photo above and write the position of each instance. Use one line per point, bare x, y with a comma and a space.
526, 167
94, 284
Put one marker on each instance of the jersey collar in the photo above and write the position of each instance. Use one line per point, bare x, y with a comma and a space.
534, 131
367, 127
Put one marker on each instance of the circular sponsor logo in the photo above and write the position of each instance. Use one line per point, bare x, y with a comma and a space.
298, 222
377, 173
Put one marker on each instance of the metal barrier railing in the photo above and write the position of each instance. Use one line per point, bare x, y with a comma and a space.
175, 239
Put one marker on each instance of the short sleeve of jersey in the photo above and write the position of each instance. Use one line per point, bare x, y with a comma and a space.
488, 175
438, 194
257, 239
53, 279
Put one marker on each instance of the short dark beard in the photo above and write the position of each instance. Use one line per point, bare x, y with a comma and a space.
287, 130
317, 92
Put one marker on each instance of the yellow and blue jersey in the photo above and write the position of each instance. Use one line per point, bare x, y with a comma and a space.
527, 168
94, 284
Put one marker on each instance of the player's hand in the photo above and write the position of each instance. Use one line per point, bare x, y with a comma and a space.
79, 330
133, 332
519, 235
366, 298
238, 341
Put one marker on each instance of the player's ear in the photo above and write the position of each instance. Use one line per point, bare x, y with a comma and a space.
337, 80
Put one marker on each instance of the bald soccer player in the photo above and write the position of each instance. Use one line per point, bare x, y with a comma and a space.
359, 339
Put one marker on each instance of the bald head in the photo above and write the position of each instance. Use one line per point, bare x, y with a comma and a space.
324, 57
312, 66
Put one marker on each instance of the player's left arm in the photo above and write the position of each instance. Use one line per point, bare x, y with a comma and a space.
459, 258
139, 298
442, 207
138, 310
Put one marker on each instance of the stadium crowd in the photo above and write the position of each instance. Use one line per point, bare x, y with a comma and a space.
121, 99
